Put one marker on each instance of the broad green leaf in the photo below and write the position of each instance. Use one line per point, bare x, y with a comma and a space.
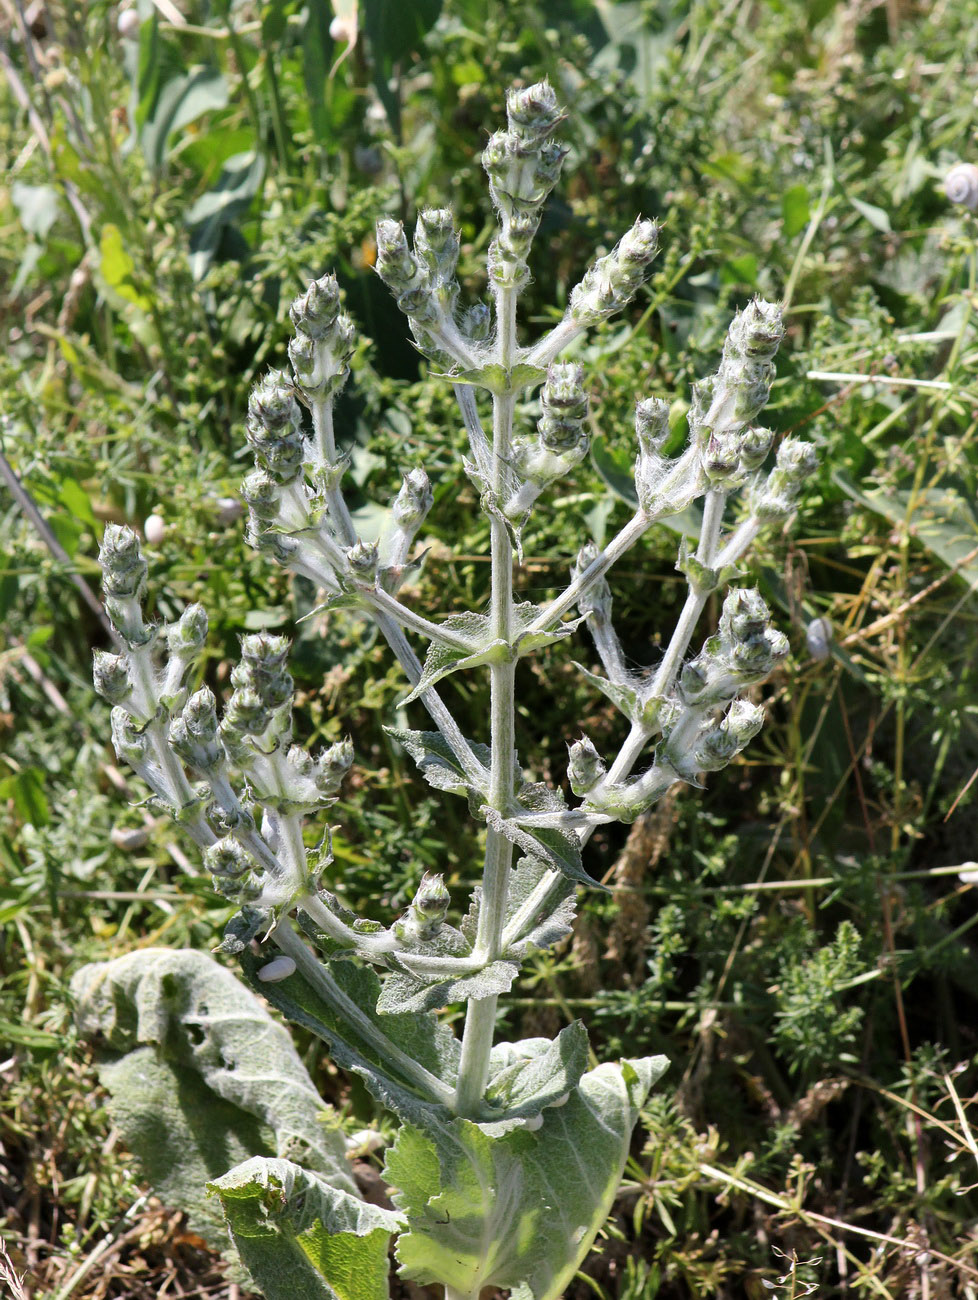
117, 268
437, 762
232, 195
521, 1210
394, 1054
200, 1076
179, 101
25, 789
441, 659
559, 849
303, 1239
944, 522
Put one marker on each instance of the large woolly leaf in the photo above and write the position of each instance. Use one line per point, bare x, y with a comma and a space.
200, 1076
408, 1061
303, 1239
518, 1211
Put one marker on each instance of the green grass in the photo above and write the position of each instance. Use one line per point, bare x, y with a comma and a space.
794, 938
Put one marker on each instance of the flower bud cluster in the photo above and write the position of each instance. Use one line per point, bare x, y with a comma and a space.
259, 711
561, 442
274, 430
712, 724
795, 463
426, 914
724, 404
133, 680
123, 583
424, 284
745, 651
409, 510
612, 282
324, 340
523, 165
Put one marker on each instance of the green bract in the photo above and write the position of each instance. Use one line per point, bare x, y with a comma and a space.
508, 1155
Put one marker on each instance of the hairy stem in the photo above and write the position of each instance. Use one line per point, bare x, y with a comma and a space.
480, 1016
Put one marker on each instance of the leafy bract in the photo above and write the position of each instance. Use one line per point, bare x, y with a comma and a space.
442, 659
407, 1060
559, 849
437, 762
300, 1237
411, 992
546, 924
518, 1211
200, 1076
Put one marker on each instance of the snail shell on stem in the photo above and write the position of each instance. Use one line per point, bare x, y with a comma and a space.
961, 185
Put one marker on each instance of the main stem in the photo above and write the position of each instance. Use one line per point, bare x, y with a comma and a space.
480, 1016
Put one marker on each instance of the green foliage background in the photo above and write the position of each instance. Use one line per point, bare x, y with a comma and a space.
795, 938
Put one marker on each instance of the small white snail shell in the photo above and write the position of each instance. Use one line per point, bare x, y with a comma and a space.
342, 29
127, 24
818, 638
154, 529
961, 185
279, 968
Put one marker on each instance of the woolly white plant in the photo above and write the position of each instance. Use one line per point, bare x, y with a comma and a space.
508, 1155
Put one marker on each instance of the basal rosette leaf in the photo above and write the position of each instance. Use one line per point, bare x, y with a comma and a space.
517, 1212
200, 1075
302, 1239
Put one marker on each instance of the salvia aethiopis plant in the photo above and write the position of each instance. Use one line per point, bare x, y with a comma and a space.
507, 1155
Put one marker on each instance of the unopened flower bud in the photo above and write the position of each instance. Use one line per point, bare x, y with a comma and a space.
414, 500
533, 113
262, 492
436, 243
612, 281
585, 767
228, 859
754, 447
796, 461
111, 675
314, 312
652, 424
475, 322
757, 331
188, 635
432, 899
362, 559
565, 404
123, 566
395, 265
130, 743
